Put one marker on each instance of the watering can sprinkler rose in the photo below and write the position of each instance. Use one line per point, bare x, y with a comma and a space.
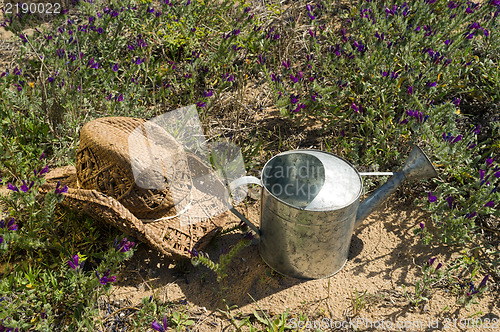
310, 207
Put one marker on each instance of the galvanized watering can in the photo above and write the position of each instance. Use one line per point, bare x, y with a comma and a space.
310, 207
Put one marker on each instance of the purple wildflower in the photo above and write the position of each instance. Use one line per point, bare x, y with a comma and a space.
248, 236
261, 60
450, 202
410, 90
26, 186
1, 240
194, 253
124, 245
470, 215
59, 190
208, 94
293, 78
355, 108
23, 38
73, 262
201, 104
451, 139
438, 266
477, 130
490, 204
432, 198
299, 107
474, 26
483, 282
422, 226
431, 84
12, 187
140, 61
105, 279
157, 327
115, 67
10, 225
286, 64
431, 261
417, 115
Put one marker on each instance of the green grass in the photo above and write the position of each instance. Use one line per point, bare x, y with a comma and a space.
366, 80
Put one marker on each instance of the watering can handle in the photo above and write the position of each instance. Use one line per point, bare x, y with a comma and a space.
244, 180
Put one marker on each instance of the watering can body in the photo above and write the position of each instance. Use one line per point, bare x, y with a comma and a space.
311, 205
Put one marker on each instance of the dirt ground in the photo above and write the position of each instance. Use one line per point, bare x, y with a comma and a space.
384, 259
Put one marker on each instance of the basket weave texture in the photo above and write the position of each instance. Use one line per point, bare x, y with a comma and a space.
102, 185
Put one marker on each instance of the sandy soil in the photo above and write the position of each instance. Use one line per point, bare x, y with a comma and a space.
384, 258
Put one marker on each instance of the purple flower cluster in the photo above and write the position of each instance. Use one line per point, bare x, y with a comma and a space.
419, 116
431, 262
228, 77
123, 246
356, 108
105, 279
451, 139
269, 34
60, 190
27, 185
9, 225
310, 12
92, 64
473, 290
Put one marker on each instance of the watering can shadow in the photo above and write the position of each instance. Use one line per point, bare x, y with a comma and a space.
310, 205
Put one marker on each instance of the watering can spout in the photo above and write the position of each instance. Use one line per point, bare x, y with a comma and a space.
417, 166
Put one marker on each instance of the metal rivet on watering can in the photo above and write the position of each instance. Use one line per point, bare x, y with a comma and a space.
310, 207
